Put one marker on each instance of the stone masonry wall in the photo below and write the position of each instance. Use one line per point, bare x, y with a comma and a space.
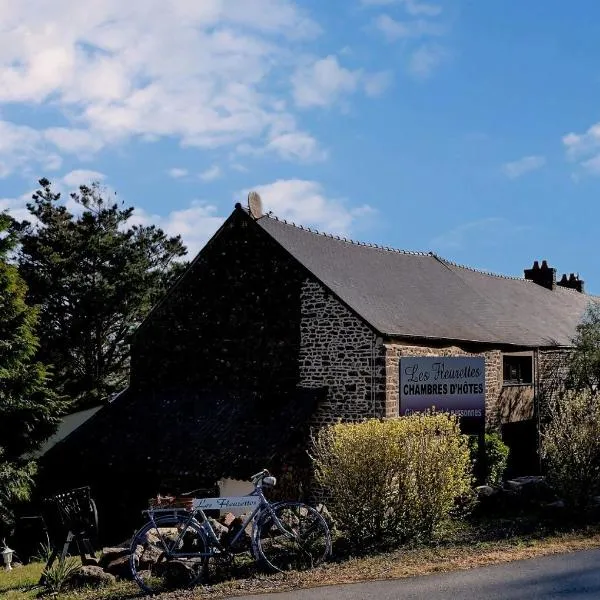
493, 375
339, 351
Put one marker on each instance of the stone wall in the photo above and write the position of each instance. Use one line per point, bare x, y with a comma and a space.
338, 350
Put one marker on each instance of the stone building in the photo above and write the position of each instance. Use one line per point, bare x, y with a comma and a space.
275, 328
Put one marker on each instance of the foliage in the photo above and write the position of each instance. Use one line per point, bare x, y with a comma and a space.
59, 573
95, 276
496, 457
29, 411
584, 362
393, 480
571, 447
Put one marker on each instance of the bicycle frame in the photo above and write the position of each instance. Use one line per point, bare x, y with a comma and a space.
256, 499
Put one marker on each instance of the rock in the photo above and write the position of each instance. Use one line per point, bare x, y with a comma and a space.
176, 574
243, 542
91, 577
324, 512
486, 491
119, 567
148, 556
531, 490
111, 554
219, 529
518, 483
227, 519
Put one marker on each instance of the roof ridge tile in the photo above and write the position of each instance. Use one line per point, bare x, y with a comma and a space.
344, 239
481, 271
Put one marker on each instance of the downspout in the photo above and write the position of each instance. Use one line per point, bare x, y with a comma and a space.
536, 407
373, 395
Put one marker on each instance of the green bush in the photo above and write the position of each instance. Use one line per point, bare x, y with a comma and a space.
571, 447
57, 576
393, 480
496, 458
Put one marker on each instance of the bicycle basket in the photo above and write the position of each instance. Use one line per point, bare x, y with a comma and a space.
182, 502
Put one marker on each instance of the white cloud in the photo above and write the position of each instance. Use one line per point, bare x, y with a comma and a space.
21, 147
524, 165
324, 81
82, 177
293, 146
17, 207
490, 231
412, 7
584, 148
211, 173
204, 72
377, 83
425, 60
196, 224
394, 30
305, 202
321, 83
177, 173
75, 141
297, 146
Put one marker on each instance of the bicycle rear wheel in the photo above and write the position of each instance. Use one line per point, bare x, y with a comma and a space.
292, 536
162, 558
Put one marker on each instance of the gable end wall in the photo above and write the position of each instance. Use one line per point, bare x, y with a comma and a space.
338, 350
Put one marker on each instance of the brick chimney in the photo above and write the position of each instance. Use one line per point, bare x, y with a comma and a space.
544, 275
573, 282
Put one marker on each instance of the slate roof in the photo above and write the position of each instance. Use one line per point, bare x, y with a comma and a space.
420, 295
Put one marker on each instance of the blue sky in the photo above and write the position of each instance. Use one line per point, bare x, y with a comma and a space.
470, 128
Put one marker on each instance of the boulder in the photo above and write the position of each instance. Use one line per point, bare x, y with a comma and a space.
486, 491
90, 576
556, 505
111, 554
227, 519
243, 542
324, 512
533, 489
120, 567
176, 574
219, 528
148, 556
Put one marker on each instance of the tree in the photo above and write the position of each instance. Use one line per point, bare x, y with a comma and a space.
95, 277
584, 361
29, 411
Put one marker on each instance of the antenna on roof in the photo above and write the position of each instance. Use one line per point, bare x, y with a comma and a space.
255, 206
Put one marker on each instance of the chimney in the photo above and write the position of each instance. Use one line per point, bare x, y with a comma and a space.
573, 282
544, 275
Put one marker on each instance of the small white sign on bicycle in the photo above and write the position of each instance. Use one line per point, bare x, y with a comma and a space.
227, 503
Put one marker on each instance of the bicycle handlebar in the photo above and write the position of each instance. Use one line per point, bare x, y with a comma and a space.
258, 476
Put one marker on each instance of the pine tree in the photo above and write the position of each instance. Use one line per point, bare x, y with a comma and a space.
95, 277
29, 411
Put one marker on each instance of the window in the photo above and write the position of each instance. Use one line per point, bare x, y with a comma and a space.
517, 369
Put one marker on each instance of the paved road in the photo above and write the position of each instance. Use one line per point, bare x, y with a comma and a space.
573, 576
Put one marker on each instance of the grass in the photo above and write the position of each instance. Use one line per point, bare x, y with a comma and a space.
21, 582
468, 547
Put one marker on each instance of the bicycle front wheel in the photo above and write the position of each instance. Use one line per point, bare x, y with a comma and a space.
167, 554
292, 536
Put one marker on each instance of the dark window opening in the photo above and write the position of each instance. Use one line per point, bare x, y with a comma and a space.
518, 370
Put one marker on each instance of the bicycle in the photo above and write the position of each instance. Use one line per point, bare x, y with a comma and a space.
176, 547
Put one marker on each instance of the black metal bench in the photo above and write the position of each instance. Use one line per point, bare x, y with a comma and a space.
71, 516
